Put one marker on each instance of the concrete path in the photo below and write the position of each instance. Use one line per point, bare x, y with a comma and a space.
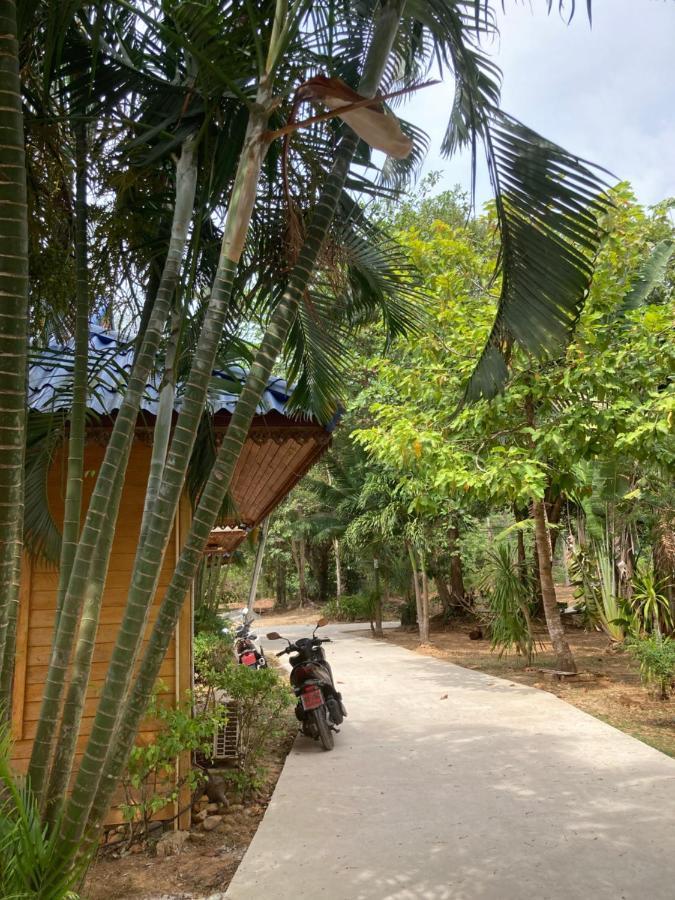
447, 784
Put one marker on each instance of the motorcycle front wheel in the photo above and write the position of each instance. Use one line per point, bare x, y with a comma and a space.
322, 726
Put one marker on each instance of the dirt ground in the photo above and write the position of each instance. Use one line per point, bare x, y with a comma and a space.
607, 687
208, 860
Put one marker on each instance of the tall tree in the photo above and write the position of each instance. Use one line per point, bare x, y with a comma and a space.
13, 342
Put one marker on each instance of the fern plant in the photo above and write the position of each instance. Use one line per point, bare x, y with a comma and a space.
32, 863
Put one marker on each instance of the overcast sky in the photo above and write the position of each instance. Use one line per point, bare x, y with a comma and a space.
606, 93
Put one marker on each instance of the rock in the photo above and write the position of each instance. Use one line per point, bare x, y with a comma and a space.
154, 829
200, 816
172, 843
215, 789
211, 822
212, 808
476, 634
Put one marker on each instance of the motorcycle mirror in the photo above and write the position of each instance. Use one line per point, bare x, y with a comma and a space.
273, 636
322, 621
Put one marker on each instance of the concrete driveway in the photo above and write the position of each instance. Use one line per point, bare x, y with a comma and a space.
448, 784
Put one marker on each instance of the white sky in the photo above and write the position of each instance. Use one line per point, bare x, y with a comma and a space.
606, 93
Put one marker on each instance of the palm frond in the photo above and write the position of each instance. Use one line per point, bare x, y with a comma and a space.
650, 275
548, 203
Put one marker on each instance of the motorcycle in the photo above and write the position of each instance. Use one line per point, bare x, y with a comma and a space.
245, 650
320, 708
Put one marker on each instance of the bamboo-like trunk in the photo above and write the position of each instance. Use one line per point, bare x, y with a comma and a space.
89, 567
158, 521
13, 343
257, 568
561, 648
80, 813
76, 437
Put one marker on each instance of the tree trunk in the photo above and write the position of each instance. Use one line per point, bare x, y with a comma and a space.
76, 438
422, 620
378, 603
89, 567
93, 777
257, 568
280, 584
456, 574
553, 507
564, 659
13, 345
159, 515
302, 587
444, 594
424, 631
520, 516
338, 568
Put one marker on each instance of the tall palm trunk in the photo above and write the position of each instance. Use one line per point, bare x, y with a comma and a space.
13, 343
159, 517
76, 437
89, 567
561, 648
93, 779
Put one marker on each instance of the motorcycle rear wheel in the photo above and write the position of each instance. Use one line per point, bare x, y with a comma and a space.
322, 726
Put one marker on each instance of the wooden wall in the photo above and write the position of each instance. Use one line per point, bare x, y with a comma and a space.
38, 604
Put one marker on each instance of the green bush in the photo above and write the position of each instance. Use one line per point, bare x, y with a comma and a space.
409, 613
656, 656
350, 608
212, 652
262, 697
149, 780
509, 617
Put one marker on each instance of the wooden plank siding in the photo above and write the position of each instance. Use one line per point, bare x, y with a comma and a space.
38, 608
277, 453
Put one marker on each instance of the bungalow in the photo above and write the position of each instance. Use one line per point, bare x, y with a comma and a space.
279, 450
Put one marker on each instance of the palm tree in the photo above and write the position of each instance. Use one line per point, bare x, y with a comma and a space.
307, 284
14, 277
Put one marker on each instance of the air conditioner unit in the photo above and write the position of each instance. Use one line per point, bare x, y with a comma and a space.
227, 738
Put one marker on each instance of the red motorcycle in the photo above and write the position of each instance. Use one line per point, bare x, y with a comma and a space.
320, 708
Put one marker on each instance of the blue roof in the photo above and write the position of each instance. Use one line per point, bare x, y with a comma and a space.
50, 379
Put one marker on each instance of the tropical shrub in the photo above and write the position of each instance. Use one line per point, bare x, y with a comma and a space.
350, 608
262, 697
656, 656
31, 860
508, 598
149, 781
